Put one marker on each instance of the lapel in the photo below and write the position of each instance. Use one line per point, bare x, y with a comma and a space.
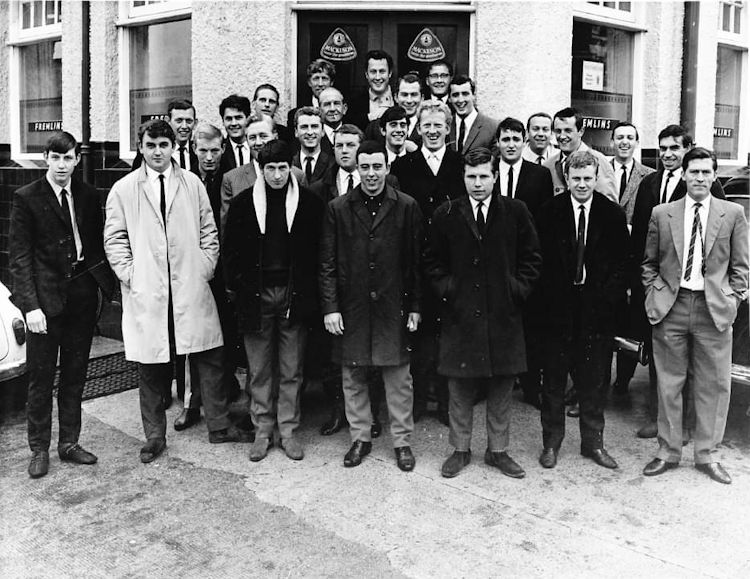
595, 223
559, 170
385, 208
51, 199
676, 213
78, 208
248, 173
473, 132
713, 224
321, 166
173, 186
143, 192
464, 206
358, 207
522, 184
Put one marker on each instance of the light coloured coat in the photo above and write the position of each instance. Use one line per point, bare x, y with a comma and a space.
605, 179
627, 202
149, 259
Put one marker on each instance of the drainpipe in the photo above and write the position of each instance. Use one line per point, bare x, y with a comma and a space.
87, 165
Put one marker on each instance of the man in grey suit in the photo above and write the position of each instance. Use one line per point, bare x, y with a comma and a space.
470, 129
695, 275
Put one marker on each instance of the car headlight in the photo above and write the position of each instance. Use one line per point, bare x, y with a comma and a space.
19, 331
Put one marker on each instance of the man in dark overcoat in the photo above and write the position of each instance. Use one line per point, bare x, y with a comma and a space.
370, 294
482, 260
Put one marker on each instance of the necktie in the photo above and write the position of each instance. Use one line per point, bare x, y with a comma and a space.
664, 191
183, 165
350, 186
539, 160
581, 245
480, 218
696, 230
66, 212
461, 136
510, 182
623, 180
239, 155
163, 201
308, 169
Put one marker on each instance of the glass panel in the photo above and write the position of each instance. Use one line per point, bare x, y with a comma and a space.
59, 10
625, 6
602, 76
38, 12
49, 12
726, 15
727, 113
26, 15
159, 70
40, 75
737, 19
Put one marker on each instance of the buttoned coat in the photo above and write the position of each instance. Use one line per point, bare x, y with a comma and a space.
482, 283
369, 272
149, 258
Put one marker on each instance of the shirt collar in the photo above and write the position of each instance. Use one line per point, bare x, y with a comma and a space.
468, 119
384, 96
153, 176
438, 154
505, 166
475, 203
56, 188
577, 204
675, 173
628, 166
690, 203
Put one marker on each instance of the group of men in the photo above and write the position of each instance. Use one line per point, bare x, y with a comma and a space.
415, 243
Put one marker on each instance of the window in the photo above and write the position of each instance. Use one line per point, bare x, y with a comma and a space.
727, 108
624, 6
730, 16
39, 14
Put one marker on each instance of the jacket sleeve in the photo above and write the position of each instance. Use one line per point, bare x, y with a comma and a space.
650, 263
226, 198
116, 238
209, 235
529, 258
738, 262
327, 272
435, 258
22, 255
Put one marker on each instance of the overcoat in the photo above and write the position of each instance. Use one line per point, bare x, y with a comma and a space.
482, 283
369, 272
149, 258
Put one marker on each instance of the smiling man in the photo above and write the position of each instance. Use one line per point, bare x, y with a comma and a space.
321, 74
471, 129
333, 108
311, 159
438, 81
266, 102
235, 114
408, 97
182, 119
370, 104
538, 148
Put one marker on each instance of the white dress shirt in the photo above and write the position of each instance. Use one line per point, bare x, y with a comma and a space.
393, 156
76, 234
532, 157
676, 176
696, 282
468, 122
576, 216
246, 156
303, 160
342, 180
176, 155
434, 159
504, 168
330, 131
155, 188
475, 206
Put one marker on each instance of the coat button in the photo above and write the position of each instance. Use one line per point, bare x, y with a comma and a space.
477, 313
463, 365
372, 237
476, 286
372, 265
374, 295
475, 261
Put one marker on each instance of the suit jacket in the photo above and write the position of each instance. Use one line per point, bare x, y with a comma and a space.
327, 189
193, 161
627, 201
727, 262
605, 182
358, 109
42, 251
481, 133
534, 187
605, 260
325, 161
228, 162
482, 283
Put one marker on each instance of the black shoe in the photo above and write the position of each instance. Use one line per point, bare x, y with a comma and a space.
357, 452
658, 466
648, 431
74, 453
599, 456
548, 458
505, 463
231, 434
455, 463
187, 418
39, 465
715, 471
574, 411
376, 429
152, 449
405, 458
571, 397
336, 422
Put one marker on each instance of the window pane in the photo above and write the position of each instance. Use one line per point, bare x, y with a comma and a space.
609, 4
726, 15
727, 114
38, 12
59, 10
625, 6
49, 16
26, 15
159, 70
40, 75
737, 19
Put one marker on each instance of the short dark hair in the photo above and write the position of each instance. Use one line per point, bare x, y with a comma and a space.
625, 124
581, 159
61, 142
180, 105
349, 129
394, 113
267, 86
441, 62
309, 111
275, 151
698, 153
156, 128
463, 79
568, 112
235, 101
380, 55
541, 114
410, 78
321, 65
677, 132
372, 148
479, 156
510, 124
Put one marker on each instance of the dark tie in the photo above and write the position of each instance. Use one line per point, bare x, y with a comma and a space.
480, 219
308, 168
581, 245
461, 136
696, 230
183, 165
350, 186
163, 201
239, 154
539, 160
66, 213
623, 180
664, 191
510, 182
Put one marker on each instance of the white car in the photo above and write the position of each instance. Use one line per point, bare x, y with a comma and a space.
12, 354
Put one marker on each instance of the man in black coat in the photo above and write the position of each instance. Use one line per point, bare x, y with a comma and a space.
482, 260
57, 262
270, 254
584, 242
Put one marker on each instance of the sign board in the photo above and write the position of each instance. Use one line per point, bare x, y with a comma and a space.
723, 132
338, 47
426, 47
44, 126
599, 123
592, 77
145, 118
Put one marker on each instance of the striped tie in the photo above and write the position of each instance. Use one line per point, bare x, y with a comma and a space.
696, 230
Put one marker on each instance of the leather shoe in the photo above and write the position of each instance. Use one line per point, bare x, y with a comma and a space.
455, 463
505, 463
574, 411
357, 452
715, 471
648, 431
336, 422
405, 458
658, 466
152, 449
293, 448
259, 449
599, 456
548, 458
231, 434
74, 453
187, 418
376, 428
39, 465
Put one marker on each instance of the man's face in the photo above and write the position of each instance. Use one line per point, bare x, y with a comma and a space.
671, 152
345, 150
433, 127
409, 96
540, 130
372, 171
235, 123
462, 98
439, 80
182, 121
209, 153
332, 106
625, 142
276, 174
258, 134
157, 152
568, 136
378, 75
60, 166
510, 145
309, 131
318, 82
395, 134
581, 182
699, 176
266, 102
479, 181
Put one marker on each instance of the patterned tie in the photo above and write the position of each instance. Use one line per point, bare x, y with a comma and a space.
163, 201
480, 219
581, 245
461, 136
308, 169
664, 191
510, 182
623, 180
183, 164
239, 155
696, 230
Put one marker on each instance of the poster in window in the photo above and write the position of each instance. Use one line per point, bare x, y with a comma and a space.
593, 75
